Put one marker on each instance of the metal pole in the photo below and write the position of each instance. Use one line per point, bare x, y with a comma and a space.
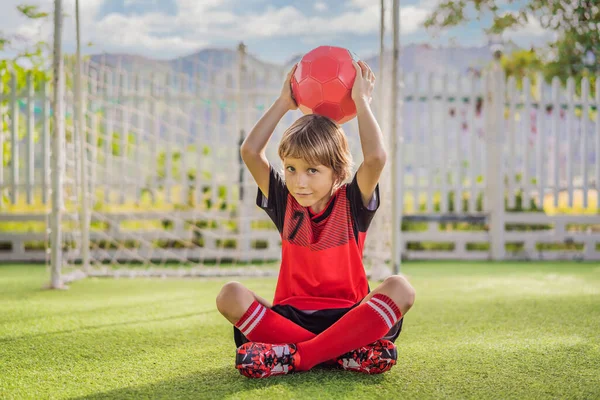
245, 205
81, 134
396, 131
57, 142
240, 115
381, 55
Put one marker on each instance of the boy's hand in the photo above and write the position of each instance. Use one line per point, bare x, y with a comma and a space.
286, 96
363, 83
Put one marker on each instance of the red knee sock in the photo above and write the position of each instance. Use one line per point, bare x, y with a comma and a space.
363, 325
261, 324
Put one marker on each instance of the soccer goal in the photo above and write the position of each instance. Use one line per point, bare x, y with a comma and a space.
154, 184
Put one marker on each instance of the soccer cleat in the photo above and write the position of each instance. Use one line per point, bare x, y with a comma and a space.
374, 358
261, 360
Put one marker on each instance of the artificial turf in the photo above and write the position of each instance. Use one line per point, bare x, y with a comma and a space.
477, 330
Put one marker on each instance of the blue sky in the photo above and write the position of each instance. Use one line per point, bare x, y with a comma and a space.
274, 30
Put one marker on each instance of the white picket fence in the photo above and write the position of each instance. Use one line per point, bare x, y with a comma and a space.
169, 143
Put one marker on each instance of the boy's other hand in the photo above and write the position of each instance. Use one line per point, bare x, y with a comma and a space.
286, 95
362, 90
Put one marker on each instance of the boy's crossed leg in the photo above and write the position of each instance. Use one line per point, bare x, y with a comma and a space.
253, 316
363, 325
261, 324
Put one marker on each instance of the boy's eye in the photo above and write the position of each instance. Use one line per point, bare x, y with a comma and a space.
312, 171
290, 169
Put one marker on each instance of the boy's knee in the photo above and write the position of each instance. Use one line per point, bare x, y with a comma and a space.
233, 300
229, 292
401, 291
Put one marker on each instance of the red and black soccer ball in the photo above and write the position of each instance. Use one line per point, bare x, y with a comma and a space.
322, 83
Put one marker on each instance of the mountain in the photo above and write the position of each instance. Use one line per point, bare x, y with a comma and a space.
193, 64
414, 57
426, 58
130, 63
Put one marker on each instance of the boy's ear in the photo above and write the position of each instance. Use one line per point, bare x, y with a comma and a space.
337, 180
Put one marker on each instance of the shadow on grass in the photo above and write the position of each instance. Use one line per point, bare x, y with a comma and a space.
218, 383
111, 325
90, 311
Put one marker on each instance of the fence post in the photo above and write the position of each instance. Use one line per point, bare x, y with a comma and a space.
29, 144
81, 135
395, 149
245, 199
494, 140
3, 114
14, 139
57, 144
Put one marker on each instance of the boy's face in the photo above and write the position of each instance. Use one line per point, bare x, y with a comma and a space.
311, 185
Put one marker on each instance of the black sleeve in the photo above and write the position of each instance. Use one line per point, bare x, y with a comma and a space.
362, 215
275, 204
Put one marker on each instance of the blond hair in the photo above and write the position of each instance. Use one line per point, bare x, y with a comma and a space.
318, 140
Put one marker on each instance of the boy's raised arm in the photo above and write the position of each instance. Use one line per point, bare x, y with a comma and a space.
253, 147
371, 139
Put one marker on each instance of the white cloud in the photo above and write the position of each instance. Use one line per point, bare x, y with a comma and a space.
12, 21
366, 3
532, 34
138, 2
411, 19
429, 4
354, 21
128, 33
320, 6
532, 28
200, 23
18, 28
152, 34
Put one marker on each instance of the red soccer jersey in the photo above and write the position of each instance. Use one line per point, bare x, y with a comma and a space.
321, 264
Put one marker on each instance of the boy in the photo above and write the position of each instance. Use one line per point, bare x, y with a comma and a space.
323, 311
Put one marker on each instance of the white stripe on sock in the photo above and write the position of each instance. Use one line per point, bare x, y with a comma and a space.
256, 321
256, 311
382, 313
387, 307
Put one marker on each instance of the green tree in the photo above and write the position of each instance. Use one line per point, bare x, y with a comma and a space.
31, 59
575, 52
33, 53
521, 64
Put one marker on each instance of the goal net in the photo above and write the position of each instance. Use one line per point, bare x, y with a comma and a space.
155, 186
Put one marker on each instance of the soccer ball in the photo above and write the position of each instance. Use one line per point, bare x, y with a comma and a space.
322, 83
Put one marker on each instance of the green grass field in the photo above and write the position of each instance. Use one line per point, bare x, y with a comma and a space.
477, 330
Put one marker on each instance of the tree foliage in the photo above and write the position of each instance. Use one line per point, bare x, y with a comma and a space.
574, 52
34, 53
31, 11
521, 64
32, 59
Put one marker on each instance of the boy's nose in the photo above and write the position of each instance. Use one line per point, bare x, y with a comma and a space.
301, 182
